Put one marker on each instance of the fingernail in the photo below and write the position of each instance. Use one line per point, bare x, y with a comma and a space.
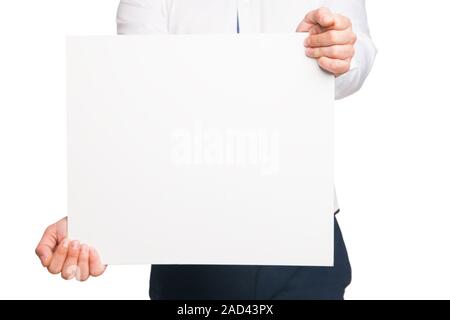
71, 272
78, 274
75, 245
65, 243
308, 52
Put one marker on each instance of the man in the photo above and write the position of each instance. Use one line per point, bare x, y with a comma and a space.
339, 39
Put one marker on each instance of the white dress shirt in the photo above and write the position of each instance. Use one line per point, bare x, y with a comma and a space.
255, 16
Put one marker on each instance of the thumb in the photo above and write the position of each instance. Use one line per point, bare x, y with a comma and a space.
45, 254
322, 17
47, 245
304, 26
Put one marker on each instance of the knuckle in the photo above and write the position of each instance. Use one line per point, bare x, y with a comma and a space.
83, 263
73, 253
62, 248
61, 251
82, 258
347, 21
334, 51
322, 11
332, 36
317, 52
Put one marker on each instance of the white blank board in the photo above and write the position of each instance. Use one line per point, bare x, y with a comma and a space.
200, 150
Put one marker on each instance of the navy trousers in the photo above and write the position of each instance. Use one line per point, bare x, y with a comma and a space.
211, 282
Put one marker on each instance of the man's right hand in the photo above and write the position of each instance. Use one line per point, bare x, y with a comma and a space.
70, 258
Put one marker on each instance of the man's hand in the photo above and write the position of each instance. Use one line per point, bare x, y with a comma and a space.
60, 255
331, 40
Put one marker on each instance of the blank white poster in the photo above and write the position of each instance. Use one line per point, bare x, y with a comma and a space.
200, 150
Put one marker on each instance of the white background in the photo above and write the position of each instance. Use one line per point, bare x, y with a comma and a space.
392, 152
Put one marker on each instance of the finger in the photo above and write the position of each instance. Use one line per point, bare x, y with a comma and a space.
70, 265
61, 229
96, 268
335, 66
331, 38
47, 245
45, 254
304, 27
83, 263
340, 23
315, 30
323, 17
59, 257
334, 52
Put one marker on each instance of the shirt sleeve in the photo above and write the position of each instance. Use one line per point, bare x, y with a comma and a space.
365, 50
142, 17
